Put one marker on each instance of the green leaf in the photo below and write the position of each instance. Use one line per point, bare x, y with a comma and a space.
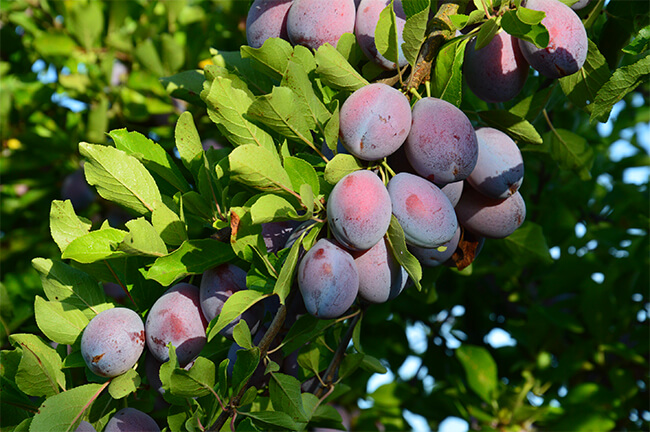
459, 20
168, 224
287, 272
152, 156
301, 172
297, 79
63, 412
335, 71
350, 364
397, 240
414, 34
228, 102
517, 127
192, 257
530, 16
246, 236
86, 23
198, 381
269, 208
340, 166
624, 80
95, 246
386, 34
125, 384
272, 56
283, 112
242, 335
285, 396
65, 284
581, 87
188, 142
39, 372
147, 55
639, 43
259, 168
373, 365
486, 33
142, 239
448, 72
119, 177
65, 225
245, 366
528, 241
571, 152
514, 26
186, 85
232, 308
54, 44
58, 321
480, 370
413, 7
272, 420
331, 129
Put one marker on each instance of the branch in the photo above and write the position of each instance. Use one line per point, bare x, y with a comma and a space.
271, 333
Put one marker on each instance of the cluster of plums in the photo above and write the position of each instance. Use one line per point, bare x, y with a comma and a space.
495, 73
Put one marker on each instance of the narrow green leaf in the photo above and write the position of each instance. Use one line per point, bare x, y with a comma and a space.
186, 85
192, 257
39, 372
58, 321
272, 56
486, 33
386, 34
459, 20
119, 177
571, 152
448, 73
301, 172
480, 370
63, 412
147, 55
246, 364
168, 224
242, 335
639, 42
529, 241
270, 208
335, 71
536, 34
331, 129
232, 308
198, 381
152, 155
285, 278
125, 384
95, 246
272, 420
65, 225
397, 240
259, 168
581, 87
188, 142
530, 16
297, 79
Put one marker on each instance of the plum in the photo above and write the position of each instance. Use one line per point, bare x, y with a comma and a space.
487, 217
365, 25
328, 280
358, 210
423, 210
374, 121
267, 19
453, 191
568, 44
313, 23
113, 341
496, 72
84, 426
432, 257
442, 145
217, 285
131, 420
176, 317
276, 234
499, 170
381, 277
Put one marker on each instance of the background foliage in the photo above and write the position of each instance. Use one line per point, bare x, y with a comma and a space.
570, 287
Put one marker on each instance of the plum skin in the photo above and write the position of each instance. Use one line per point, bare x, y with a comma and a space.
364, 29
328, 280
113, 341
267, 19
499, 171
313, 23
176, 317
498, 71
358, 210
490, 218
568, 44
381, 277
374, 121
131, 420
442, 145
432, 257
423, 210
217, 285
